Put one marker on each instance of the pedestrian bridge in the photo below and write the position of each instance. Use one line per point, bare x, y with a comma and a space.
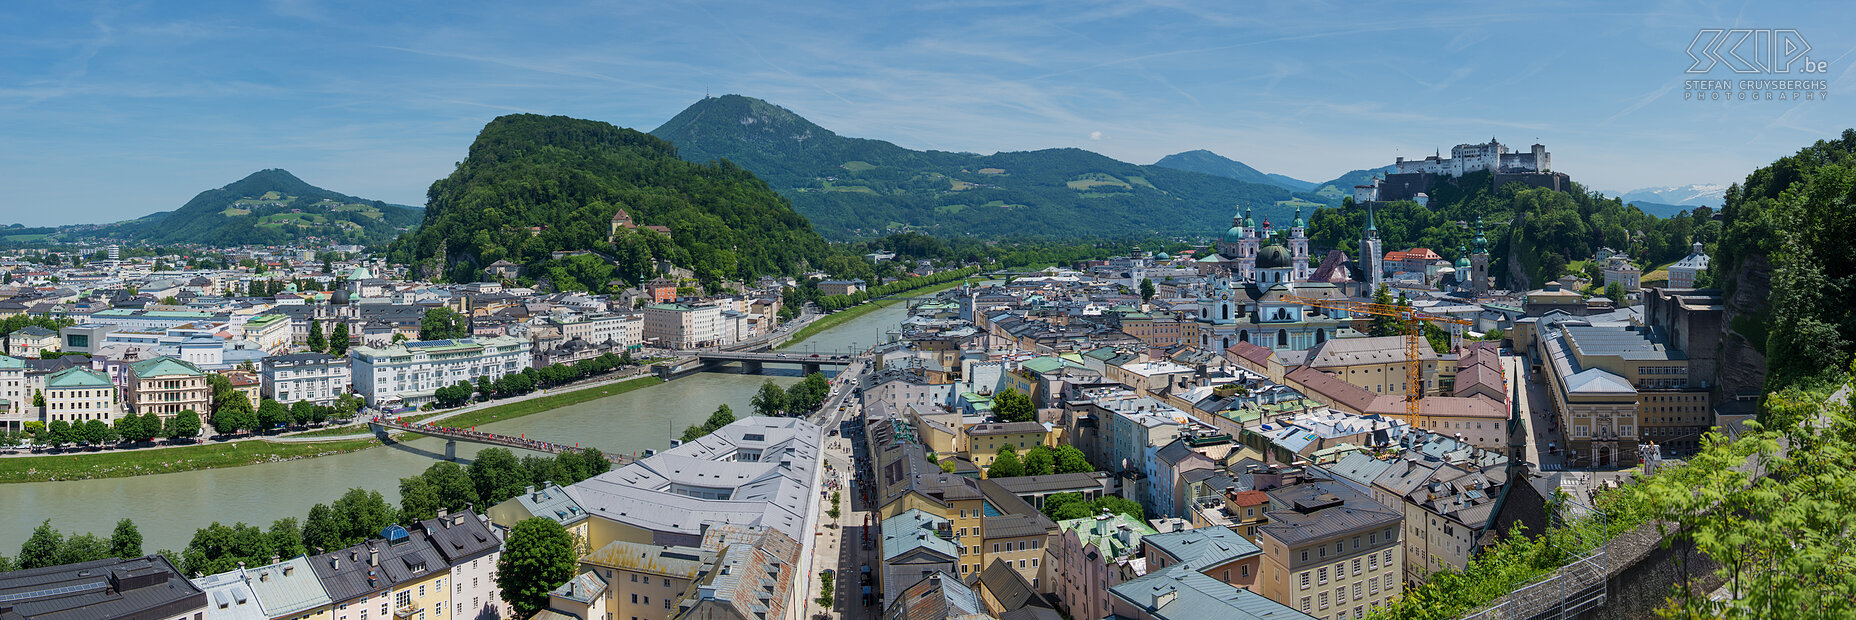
382, 426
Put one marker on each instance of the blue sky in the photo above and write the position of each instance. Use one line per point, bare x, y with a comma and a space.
113, 110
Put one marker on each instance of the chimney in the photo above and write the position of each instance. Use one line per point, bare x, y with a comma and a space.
442, 512
335, 562
373, 556
287, 569
264, 576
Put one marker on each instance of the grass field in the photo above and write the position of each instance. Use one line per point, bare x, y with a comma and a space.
533, 406
856, 166
333, 431
1089, 183
167, 460
838, 318
948, 209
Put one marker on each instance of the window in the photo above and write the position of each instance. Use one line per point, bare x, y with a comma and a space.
1021, 563
1372, 561
1304, 603
995, 547
1324, 599
1356, 567
634, 578
1304, 580
1304, 555
1388, 560
1356, 542
1321, 574
1323, 549
666, 603
1372, 584
1339, 548
1357, 591
1243, 571
634, 598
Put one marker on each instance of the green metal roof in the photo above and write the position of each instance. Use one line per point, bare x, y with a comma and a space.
8, 362
75, 377
163, 366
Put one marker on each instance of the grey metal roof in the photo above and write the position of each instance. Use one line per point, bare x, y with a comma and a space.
1204, 547
1179, 592
915, 529
287, 588
1355, 513
759, 468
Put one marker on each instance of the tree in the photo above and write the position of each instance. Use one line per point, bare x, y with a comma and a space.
302, 412
442, 323
452, 484
723, 416
126, 540
1147, 289
769, 401
285, 538
59, 432
41, 549
1383, 325
1040, 462
418, 499
485, 387
316, 342
338, 339
38, 398
234, 414
1006, 465
1070, 460
537, 557
84, 548
1615, 291
322, 530
271, 414
362, 515
497, 475
1011, 405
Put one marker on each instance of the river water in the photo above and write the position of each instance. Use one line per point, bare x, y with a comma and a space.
169, 507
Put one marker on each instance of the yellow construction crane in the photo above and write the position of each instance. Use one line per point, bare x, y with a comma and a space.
1411, 321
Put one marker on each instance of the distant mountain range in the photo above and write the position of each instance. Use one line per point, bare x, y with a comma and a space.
1218, 165
269, 206
854, 187
1691, 196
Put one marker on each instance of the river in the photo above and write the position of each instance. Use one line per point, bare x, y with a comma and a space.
169, 507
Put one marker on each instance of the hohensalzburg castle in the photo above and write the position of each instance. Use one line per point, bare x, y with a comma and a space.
1534, 167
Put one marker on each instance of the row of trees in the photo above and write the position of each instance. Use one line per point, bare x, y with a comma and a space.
799, 399
49, 547
1038, 461
129, 427
529, 379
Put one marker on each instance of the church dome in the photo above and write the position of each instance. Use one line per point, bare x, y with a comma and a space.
1274, 257
1234, 235
1163, 256
340, 298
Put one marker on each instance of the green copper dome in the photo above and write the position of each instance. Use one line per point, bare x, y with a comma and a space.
1234, 235
1482, 243
1298, 219
1249, 222
1462, 258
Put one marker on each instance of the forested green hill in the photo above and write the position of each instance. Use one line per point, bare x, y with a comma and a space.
532, 185
1534, 234
267, 207
852, 187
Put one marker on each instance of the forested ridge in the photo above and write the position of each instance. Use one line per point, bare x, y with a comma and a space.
533, 185
859, 188
1787, 262
267, 207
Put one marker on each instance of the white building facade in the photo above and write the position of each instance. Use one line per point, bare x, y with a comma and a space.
319, 378
409, 373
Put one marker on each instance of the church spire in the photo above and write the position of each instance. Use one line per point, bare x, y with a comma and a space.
1372, 231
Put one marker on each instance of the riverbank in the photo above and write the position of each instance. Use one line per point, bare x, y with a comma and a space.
510, 411
168, 460
840, 317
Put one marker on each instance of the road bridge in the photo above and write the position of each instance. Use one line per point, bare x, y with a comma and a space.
754, 361
382, 426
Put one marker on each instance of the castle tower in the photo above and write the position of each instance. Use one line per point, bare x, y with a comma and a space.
1298, 246
1479, 263
1370, 253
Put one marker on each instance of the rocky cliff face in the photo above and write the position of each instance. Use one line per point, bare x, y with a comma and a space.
1743, 336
